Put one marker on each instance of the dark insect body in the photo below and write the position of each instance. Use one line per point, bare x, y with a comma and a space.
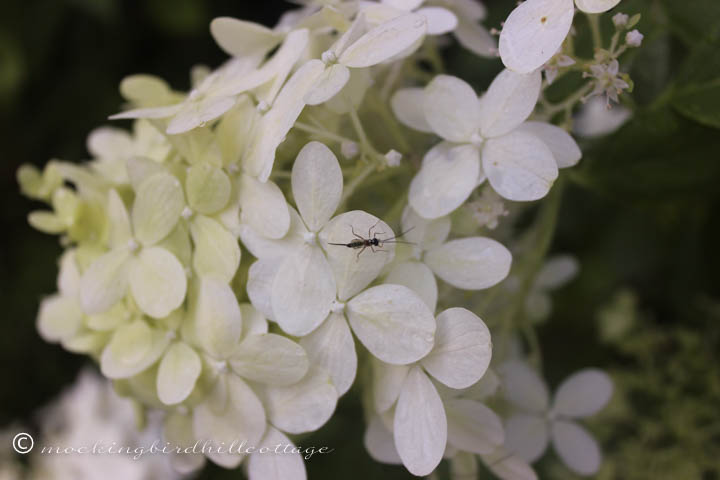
375, 244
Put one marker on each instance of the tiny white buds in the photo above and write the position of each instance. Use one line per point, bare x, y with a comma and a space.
393, 158
620, 20
349, 149
634, 38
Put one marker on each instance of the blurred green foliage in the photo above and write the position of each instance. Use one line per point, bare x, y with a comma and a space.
642, 213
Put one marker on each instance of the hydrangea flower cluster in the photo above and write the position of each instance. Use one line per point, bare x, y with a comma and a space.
224, 266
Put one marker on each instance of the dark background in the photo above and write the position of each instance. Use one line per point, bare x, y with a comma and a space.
641, 210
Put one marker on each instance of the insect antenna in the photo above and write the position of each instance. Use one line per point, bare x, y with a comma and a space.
395, 238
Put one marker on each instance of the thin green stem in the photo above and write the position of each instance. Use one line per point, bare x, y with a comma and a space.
321, 133
594, 21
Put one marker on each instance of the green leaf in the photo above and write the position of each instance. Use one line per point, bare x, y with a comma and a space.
700, 103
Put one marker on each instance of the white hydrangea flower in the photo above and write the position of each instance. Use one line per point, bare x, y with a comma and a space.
422, 423
254, 373
439, 20
595, 120
536, 29
218, 92
473, 263
91, 411
390, 320
488, 209
609, 82
554, 274
360, 47
484, 138
529, 431
634, 38
136, 262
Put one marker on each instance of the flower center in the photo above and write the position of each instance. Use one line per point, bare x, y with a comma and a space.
328, 57
337, 307
477, 140
133, 245
310, 238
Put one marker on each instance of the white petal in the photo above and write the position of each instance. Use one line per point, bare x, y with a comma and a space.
519, 166
475, 38
408, 106
132, 349
425, 233
561, 144
418, 278
178, 430
275, 465
384, 41
582, 394
197, 113
60, 317
154, 112
451, 108
282, 63
508, 466
270, 359
420, 426
527, 436
387, 383
263, 207
317, 184
119, 221
523, 387
104, 283
274, 125
379, 442
556, 272
576, 447
356, 30
470, 9
533, 32
157, 207
303, 291
179, 370
393, 323
140, 168
462, 350
216, 317
232, 413
407, 5
304, 406
328, 85
473, 263
259, 285
352, 269
266, 248
68, 281
473, 427
217, 252
332, 347
447, 178
463, 465
254, 322
157, 282
240, 38
596, 6
439, 20
352, 94
510, 99
208, 188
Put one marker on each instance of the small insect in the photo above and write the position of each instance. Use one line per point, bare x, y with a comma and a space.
375, 244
